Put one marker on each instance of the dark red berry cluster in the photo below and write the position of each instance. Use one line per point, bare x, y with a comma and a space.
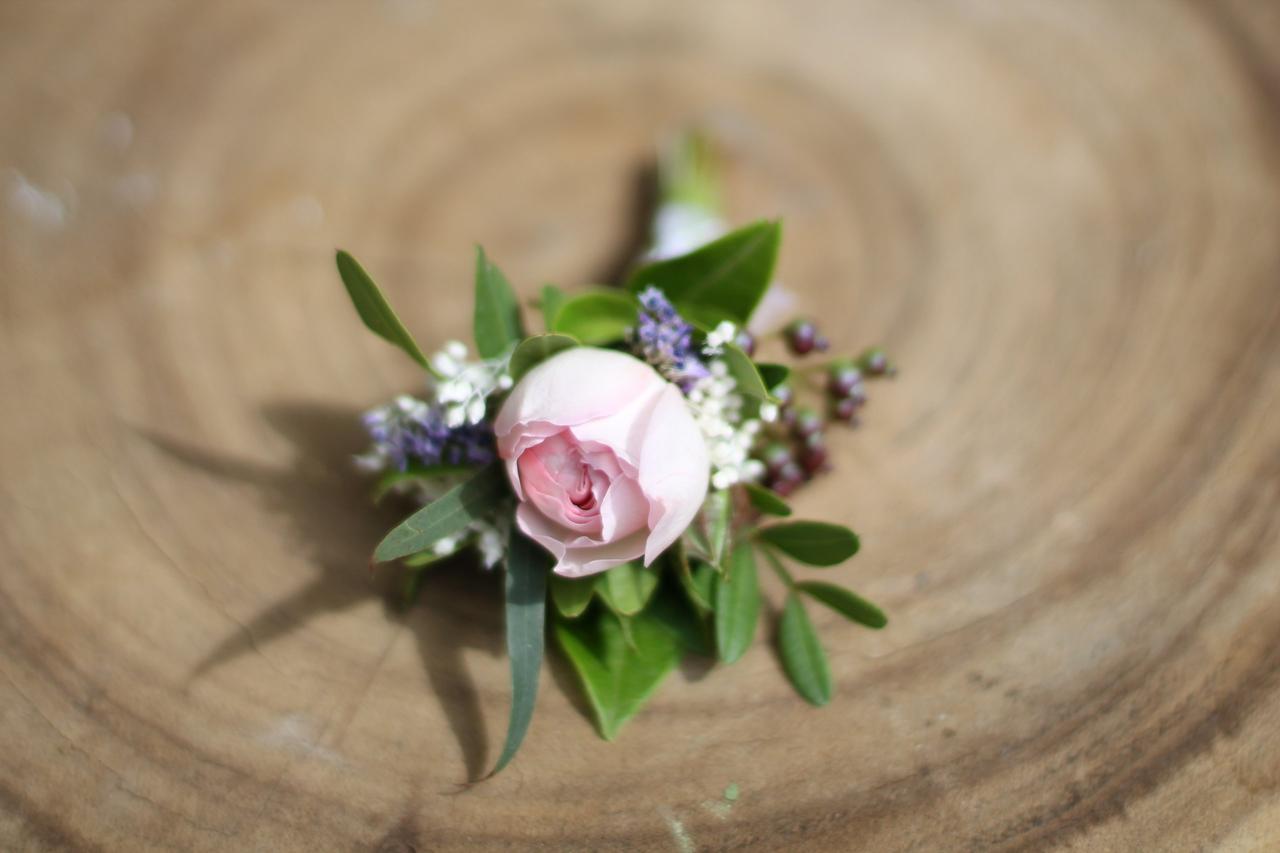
798, 450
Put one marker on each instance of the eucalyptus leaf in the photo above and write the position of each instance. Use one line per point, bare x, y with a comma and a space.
373, 309
597, 317
617, 676
389, 481
845, 602
737, 598
446, 515
550, 301
723, 280
766, 500
497, 314
802, 656
625, 589
534, 350
571, 595
526, 607
815, 543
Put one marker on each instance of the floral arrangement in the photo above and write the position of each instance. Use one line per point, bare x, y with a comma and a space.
628, 465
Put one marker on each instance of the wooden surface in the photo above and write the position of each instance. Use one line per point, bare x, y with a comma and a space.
1062, 218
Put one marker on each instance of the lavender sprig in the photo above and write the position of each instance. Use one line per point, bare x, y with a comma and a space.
665, 340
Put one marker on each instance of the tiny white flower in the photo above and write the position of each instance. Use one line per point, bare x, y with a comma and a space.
475, 410
445, 546
456, 350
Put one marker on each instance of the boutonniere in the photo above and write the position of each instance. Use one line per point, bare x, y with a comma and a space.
627, 465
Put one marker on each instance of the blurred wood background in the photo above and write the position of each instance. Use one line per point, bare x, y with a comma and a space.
1063, 219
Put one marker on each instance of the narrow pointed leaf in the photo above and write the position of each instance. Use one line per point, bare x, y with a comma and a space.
723, 280
526, 606
745, 374
766, 500
699, 596
597, 317
550, 301
626, 589
618, 677
373, 309
718, 510
802, 656
813, 542
497, 325
571, 595
534, 350
846, 603
446, 515
773, 374
737, 604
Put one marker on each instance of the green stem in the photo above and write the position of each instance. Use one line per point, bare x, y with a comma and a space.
778, 568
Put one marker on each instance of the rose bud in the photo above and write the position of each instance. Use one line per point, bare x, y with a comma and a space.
604, 456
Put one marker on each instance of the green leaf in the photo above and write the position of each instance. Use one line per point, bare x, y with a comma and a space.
744, 372
737, 604
533, 351
625, 589
422, 559
698, 595
391, 479
597, 317
618, 677
497, 317
723, 280
813, 542
526, 596
846, 603
704, 582
719, 511
446, 515
373, 309
675, 611
802, 654
571, 595
773, 374
551, 300
766, 500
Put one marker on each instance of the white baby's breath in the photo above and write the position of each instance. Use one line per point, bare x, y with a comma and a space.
717, 409
464, 386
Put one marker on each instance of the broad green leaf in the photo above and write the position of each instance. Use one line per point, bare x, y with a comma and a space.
723, 280
719, 511
391, 479
773, 374
446, 515
802, 654
497, 317
618, 677
532, 351
704, 581
845, 602
676, 612
744, 372
737, 604
766, 500
373, 309
813, 542
626, 589
550, 301
597, 317
571, 595
526, 596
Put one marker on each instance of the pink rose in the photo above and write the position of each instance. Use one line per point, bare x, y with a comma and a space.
605, 458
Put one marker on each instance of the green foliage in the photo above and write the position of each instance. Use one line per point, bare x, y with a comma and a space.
445, 516
526, 605
845, 602
597, 317
550, 301
773, 375
373, 309
737, 596
723, 280
626, 589
766, 501
744, 372
391, 479
719, 512
813, 542
802, 656
571, 595
618, 676
534, 350
497, 313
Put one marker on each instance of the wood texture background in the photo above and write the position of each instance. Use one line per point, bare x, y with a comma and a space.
1062, 218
